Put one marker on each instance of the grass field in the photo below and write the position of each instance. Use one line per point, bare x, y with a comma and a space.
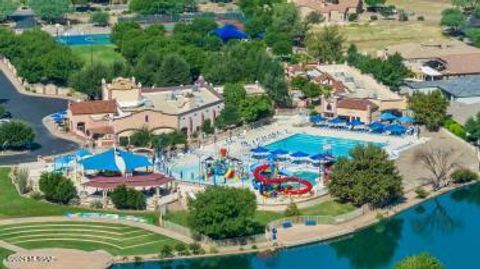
328, 208
117, 239
3, 254
99, 53
13, 205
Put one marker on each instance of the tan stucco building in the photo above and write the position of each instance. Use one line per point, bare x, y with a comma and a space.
332, 10
127, 107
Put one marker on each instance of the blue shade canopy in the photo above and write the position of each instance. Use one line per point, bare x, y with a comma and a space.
318, 157
356, 122
133, 161
259, 150
82, 153
396, 129
376, 126
387, 116
230, 31
299, 154
103, 161
316, 119
406, 119
279, 152
336, 120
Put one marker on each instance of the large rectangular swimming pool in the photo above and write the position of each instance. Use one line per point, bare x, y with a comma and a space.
82, 40
313, 144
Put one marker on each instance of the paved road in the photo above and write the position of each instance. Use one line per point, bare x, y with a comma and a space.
33, 110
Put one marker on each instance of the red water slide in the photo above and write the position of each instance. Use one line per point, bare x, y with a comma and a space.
257, 173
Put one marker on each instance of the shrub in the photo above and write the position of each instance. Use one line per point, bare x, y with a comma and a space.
166, 251
21, 180
403, 16
292, 210
207, 126
463, 175
455, 128
422, 261
181, 248
96, 204
123, 141
99, 18
16, 134
57, 188
353, 17
420, 18
421, 193
254, 247
124, 198
374, 18
196, 248
213, 250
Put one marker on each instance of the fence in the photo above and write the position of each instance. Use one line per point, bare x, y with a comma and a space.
254, 239
316, 219
163, 18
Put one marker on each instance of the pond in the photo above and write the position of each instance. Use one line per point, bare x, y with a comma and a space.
448, 227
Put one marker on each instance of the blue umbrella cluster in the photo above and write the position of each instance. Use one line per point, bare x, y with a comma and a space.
230, 31
59, 117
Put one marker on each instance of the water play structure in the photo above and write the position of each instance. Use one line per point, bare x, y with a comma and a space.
266, 175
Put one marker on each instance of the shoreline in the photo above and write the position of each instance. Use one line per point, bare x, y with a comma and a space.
364, 223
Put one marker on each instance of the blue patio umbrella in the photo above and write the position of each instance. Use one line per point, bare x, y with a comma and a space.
318, 157
299, 154
376, 127
396, 129
317, 119
260, 150
279, 152
336, 120
356, 122
387, 116
406, 119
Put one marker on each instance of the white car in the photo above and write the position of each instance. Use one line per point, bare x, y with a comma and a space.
4, 121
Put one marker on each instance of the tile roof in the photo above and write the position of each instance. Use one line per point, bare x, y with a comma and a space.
102, 130
356, 103
93, 107
462, 64
459, 87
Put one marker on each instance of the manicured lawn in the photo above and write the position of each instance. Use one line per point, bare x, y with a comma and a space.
3, 254
327, 208
372, 37
12, 205
117, 239
101, 53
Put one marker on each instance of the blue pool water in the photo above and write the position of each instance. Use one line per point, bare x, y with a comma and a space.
447, 227
79, 40
313, 144
308, 175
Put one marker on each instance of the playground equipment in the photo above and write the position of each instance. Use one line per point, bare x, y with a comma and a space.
275, 181
223, 167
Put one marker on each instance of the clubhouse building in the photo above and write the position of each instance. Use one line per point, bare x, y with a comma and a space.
127, 107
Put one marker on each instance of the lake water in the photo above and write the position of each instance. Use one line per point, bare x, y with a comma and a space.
448, 227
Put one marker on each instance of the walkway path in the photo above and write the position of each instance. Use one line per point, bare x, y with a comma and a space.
148, 227
10, 247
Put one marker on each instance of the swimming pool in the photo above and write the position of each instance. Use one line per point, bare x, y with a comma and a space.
308, 175
79, 40
313, 144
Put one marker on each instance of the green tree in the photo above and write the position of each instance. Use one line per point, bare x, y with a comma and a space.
422, 261
57, 188
368, 177
119, 197
465, 4
2, 111
89, 79
100, 18
314, 17
120, 29
223, 212
16, 134
50, 10
292, 210
254, 108
326, 45
453, 18
472, 127
228, 117
59, 64
207, 126
234, 93
142, 138
429, 109
174, 71
7, 7
375, 2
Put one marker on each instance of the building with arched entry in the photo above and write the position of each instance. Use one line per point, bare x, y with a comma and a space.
127, 107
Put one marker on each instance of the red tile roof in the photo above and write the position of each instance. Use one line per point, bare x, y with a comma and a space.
356, 104
459, 64
102, 130
93, 107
